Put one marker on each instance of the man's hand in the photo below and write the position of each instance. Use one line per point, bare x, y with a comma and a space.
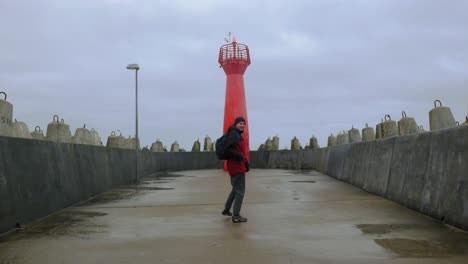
247, 165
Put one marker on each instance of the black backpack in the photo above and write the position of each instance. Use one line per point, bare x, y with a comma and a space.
221, 147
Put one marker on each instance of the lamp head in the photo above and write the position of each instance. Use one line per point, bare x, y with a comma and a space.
133, 67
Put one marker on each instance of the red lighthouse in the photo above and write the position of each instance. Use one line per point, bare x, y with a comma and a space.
235, 58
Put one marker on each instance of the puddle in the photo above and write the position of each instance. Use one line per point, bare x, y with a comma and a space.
379, 229
411, 248
304, 181
11, 259
161, 181
443, 241
166, 174
305, 172
146, 188
61, 224
115, 195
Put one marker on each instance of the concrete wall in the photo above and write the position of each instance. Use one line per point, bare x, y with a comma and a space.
40, 177
427, 172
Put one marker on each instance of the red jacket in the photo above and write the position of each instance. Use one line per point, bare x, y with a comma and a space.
236, 166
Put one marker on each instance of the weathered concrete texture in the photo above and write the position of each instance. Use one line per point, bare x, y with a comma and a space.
426, 171
389, 128
407, 125
114, 141
6, 110
40, 177
5, 130
295, 145
433, 179
276, 142
6, 116
58, 131
269, 145
213, 147
294, 217
173, 161
441, 117
175, 147
342, 138
83, 136
131, 143
196, 146
313, 144
20, 130
207, 144
379, 130
260, 159
157, 146
331, 140
368, 133
285, 159
96, 138
354, 135
37, 134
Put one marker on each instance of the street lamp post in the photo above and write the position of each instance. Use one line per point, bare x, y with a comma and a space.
136, 67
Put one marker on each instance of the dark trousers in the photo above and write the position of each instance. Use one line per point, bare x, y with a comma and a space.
237, 193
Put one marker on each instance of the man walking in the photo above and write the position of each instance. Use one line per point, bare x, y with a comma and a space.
237, 166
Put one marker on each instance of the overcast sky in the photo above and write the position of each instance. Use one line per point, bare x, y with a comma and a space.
317, 66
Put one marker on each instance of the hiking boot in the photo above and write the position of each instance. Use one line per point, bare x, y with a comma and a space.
226, 212
238, 219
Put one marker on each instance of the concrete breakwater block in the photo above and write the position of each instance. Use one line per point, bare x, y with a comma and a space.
389, 127
131, 143
157, 146
83, 136
207, 144
20, 130
295, 145
58, 131
96, 138
196, 146
6, 115
441, 117
269, 144
175, 147
407, 125
114, 141
342, 138
379, 130
368, 133
213, 147
354, 135
313, 143
331, 140
276, 142
37, 133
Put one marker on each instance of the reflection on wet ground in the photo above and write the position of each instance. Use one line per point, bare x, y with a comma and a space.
64, 223
405, 240
305, 172
304, 181
175, 218
412, 248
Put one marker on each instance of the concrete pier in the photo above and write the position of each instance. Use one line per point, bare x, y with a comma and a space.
294, 217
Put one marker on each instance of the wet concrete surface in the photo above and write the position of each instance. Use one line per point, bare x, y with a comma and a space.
294, 217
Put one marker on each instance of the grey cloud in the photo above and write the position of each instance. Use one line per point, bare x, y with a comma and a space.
317, 66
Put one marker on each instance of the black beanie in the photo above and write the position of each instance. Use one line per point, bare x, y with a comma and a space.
238, 120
